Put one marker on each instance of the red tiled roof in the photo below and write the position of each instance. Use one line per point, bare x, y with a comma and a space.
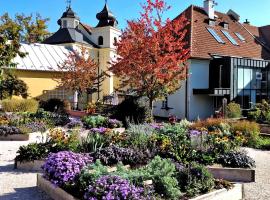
203, 44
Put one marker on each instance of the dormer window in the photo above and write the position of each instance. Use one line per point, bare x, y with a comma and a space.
225, 25
100, 40
211, 22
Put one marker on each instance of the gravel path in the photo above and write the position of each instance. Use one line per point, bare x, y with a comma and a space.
260, 190
16, 184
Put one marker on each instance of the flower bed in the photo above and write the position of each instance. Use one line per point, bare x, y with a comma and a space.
171, 156
57, 193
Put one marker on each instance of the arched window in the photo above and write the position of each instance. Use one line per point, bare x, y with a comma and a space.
115, 40
64, 23
100, 40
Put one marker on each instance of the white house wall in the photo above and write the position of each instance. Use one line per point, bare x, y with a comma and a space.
198, 106
175, 101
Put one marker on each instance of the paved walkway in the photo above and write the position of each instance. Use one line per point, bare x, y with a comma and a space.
21, 185
16, 184
260, 190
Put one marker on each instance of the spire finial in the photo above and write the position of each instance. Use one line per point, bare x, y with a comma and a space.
68, 2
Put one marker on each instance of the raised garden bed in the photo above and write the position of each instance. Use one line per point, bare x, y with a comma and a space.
15, 137
53, 191
233, 174
265, 129
75, 113
57, 193
29, 166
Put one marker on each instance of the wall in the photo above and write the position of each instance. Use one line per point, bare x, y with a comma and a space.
108, 33
37, 81
175, 101
198, 106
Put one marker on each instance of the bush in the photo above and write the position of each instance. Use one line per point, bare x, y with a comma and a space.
236, 159
261, 112
54, 119
63, 168
33, 127
37, 151
160, 171
195, 179
53, 105
139, 136
249, 130
233, 110
4, 121
263, 143
94, 142
100, 121
20, 105
130, 110
95, 121
113, 154
9, 130
113, 187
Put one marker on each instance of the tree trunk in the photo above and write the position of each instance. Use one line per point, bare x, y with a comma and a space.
151, 110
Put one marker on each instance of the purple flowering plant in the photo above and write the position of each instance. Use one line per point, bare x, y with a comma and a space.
113, 187
63, 168
157, 126
100, 130
36, 127
114, 123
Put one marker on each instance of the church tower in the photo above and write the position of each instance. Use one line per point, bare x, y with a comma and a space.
105, 34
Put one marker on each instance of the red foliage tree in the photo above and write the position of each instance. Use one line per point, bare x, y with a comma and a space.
79, 72
152, 53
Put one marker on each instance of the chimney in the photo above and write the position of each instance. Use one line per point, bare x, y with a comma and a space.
209, 8
247, 22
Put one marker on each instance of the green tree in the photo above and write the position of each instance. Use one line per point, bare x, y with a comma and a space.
11, 85
13, 31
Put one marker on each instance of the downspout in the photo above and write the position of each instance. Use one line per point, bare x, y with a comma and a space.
98, 86
187, 95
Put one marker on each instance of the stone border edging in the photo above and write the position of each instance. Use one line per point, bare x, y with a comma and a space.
233, 174
29, 165
53, 191
235, 193
15, 137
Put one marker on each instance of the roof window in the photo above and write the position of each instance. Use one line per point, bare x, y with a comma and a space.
215, 35
240, 37
228, 35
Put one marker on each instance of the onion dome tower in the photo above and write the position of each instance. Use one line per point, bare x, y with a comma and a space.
69, 19
106, 17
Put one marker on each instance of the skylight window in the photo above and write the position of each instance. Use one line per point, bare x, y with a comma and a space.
215, 35
240, 37
228, 35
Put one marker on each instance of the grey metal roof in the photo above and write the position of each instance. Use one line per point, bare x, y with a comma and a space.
71, 35
41, 57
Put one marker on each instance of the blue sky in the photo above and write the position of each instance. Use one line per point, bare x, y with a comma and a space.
256, 11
